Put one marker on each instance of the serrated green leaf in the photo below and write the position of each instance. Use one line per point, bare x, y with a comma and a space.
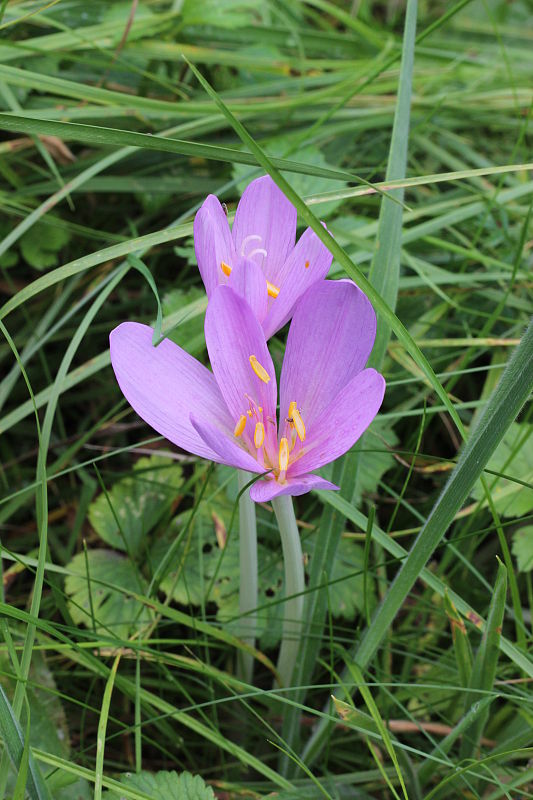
523, 548
136, 503
166, 786
114, 610
40, 246
376, 460
513, 456
346, 581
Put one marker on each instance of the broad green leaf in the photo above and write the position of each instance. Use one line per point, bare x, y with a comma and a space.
41, 245
101, 598
345, 590
165, 786
375, 459
523, 548
190, 332
127, 513
513, 456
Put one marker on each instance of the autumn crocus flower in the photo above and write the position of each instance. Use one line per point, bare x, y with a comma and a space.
258, 257
327, 398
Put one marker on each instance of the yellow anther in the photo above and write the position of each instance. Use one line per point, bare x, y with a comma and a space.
307, 264
259, 434
250, 413
259, 370
298, 424
272, 290
294, 437
239, 427
226, 269
292, 409
283, 455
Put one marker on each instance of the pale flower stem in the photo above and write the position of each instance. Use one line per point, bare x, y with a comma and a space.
294, 587
248, 575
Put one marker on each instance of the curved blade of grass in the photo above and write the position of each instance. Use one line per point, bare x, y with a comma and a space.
100, 135
370, 703
503, 406
102, 727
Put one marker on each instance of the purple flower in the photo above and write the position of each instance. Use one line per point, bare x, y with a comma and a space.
327, 398
258, 257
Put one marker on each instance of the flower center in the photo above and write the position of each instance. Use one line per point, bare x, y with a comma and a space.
272, 290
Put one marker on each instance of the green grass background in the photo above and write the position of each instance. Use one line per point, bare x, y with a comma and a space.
406, 128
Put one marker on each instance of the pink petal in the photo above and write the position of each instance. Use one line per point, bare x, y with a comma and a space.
266, 489
247, 279
308, 262
225, 446
330, 338
341, 424
212, 243
233, 335
164, 384
265, 220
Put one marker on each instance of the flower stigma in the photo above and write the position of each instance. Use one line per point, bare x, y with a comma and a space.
259, 370
253, 237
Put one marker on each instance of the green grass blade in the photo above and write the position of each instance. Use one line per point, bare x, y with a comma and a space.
102, 727
486, 662
99, 135
15, 744
461, 642
384, 272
